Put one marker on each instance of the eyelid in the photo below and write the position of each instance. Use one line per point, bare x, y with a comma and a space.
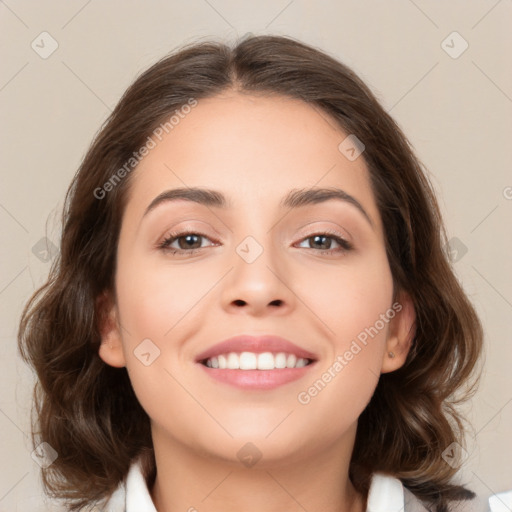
190, 226
178, 233
334, 229
339, 238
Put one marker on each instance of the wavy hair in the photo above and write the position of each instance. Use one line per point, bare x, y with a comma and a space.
87, 410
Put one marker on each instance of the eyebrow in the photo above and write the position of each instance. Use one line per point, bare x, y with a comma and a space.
295, 198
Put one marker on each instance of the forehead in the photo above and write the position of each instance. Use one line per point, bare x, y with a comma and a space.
253, 148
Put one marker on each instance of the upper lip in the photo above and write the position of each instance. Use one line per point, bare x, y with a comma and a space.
256, 344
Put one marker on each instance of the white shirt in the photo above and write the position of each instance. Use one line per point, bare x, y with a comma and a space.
386, 494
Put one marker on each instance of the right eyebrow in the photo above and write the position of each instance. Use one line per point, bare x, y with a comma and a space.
205, 196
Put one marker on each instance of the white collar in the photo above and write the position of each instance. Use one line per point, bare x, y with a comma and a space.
386, 494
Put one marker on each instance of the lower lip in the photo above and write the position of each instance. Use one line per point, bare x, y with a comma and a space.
257, 379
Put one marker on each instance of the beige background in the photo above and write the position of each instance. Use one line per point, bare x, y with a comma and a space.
456, 112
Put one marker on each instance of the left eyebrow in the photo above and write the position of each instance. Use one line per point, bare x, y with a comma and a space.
295, 198
302, 197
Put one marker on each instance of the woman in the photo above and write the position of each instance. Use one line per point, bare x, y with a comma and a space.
253, 308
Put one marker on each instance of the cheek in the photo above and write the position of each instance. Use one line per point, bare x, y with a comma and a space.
354, 306
153, 299
162, 304
153, 306
348, 298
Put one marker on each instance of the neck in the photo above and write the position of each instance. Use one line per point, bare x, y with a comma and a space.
190, 481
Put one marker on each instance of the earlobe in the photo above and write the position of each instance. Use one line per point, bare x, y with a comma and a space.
112, 354
111, 348
401, 334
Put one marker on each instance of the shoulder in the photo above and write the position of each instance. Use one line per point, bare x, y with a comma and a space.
132, 494
116, 502
387, 494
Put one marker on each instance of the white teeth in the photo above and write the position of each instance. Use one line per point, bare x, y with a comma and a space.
248, 361
233, 361
252, 361
280, 360
265, 361
300, 363
290, 361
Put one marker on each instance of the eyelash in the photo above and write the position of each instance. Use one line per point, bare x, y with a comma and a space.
165, 244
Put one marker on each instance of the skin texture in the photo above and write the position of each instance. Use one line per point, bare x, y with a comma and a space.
253, 149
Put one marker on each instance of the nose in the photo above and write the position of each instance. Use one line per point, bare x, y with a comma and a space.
258, 285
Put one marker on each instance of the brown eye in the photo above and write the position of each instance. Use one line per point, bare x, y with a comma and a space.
324, 243
186, 242
321, 240
189, 241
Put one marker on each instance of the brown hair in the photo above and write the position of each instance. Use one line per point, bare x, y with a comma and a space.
87, 410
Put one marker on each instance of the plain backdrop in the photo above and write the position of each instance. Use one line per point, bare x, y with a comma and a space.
442, 69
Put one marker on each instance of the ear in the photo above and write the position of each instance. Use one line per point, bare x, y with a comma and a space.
111, 348
402, 328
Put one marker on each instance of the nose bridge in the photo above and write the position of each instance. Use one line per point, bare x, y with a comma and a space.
256, 235
259, 277
256, 254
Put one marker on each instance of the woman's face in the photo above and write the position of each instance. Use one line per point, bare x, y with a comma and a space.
253, 267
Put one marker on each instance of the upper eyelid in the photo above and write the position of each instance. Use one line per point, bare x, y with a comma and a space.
193, 229
199, 231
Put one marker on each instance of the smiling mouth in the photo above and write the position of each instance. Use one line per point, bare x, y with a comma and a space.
256, 361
